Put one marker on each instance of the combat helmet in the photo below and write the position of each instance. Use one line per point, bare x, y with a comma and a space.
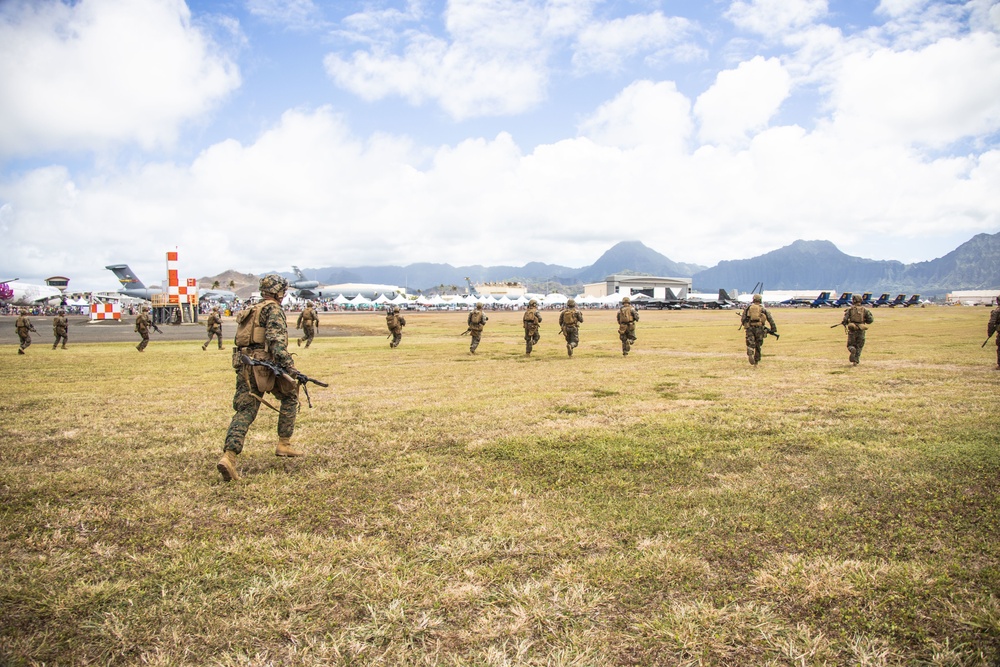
395, 309
856, 298
479, 306
625, 299
534, 304
757, 298
571, 303
272, 283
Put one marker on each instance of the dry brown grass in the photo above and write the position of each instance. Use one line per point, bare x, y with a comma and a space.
673, 507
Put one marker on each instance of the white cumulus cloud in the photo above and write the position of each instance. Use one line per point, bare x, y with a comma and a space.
742, 101
99, 73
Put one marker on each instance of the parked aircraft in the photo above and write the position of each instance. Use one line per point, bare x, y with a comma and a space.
133, 287
866, 299
914, 300
843, 300
710, 300
670, 301
898, 301
301, 283
881, 301
822, 300
26, 294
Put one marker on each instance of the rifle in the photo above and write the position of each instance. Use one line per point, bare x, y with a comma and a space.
839, 324
466, 331
770, 332
155, 328
301, 378
986, 341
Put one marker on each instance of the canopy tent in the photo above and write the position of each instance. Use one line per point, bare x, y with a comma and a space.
382, 298
399, 300
341, 300
554, 299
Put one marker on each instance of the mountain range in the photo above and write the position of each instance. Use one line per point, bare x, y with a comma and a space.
801, 265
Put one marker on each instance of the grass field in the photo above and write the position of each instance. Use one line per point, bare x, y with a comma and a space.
673, 507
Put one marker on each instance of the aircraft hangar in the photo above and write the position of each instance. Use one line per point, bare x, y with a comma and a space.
627, 284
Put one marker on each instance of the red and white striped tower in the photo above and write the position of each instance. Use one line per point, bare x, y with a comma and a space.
173, 282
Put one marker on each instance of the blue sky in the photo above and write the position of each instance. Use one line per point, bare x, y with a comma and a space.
258, 134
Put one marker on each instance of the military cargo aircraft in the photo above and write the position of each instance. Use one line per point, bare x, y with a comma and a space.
133, 287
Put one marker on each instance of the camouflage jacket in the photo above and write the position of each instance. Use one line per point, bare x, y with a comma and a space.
23, 325
532, 318
142, 323
272, 319
994, 324
627, 315
307, 317
477, 320
857, 315
214, 323
60, 325
570, 318
765, 313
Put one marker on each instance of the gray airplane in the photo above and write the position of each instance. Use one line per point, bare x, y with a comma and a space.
132, 286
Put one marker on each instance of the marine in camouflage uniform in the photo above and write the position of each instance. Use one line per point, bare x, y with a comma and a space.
628, 315
269, 343
60, 329
214, 326
754, 319
994, 327
23, 326
476, 321
569, 324
856, 321
395, 322
142, 324
532, 318
308, 321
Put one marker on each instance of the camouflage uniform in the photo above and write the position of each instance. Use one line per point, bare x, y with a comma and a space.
753, 318
994, 327
856, 320
395, 322
308, 321
627, 317
142, 324
569, 324
271, 329
476, 321
60, 329
214, 326
532, 318
23, 326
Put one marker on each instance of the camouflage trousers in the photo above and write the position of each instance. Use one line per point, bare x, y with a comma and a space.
572, 339
475, 336
755, 340
531, 338
627, 334
998, 351
397, 336
25, 341
246, 407
308, 333
855, 342
60, 338
144, 342
211, 335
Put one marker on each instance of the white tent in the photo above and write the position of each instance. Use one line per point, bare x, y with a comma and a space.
399, 300
360, 302
382, 298
341, 300
554, 299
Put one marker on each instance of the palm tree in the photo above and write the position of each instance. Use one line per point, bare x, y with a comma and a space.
232, 285
215, 284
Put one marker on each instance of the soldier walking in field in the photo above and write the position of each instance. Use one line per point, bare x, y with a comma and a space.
532, 318
142, 324
628, 315
856, 321
993, 327
755, 318
308, 321
395, 322
569, 325
262, 335
24, 326
60, 328
476, 322
214, 326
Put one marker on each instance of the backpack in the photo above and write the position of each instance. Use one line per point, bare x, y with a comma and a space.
475, 318
247, 331
626, 316
567, 318
392, 321
755, 315
531, 316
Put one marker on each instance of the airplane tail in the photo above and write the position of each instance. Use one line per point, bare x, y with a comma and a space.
126, 276
724, 295
670, 295
298, 273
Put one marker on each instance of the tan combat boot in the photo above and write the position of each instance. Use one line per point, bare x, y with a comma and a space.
285, 448
227, 465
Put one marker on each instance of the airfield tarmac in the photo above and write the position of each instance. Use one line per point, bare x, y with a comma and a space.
81, 330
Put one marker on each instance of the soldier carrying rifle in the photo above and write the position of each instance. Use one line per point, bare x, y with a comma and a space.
23, 325
754, 319
855, 322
